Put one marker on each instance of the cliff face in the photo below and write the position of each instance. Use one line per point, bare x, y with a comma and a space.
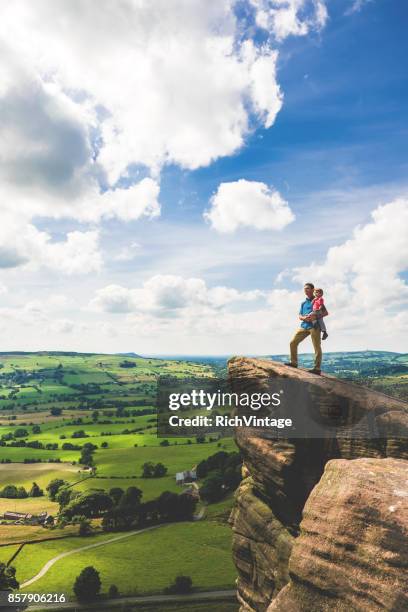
322, 524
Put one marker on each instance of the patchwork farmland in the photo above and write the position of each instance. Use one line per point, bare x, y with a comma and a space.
88, 424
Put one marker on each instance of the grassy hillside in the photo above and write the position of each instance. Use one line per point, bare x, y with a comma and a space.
143, 563
49, 400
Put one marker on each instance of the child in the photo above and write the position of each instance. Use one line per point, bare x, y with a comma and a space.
318, 305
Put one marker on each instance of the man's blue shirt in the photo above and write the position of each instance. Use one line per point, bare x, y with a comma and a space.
306, 308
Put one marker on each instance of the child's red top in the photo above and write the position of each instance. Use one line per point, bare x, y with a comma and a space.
318, 303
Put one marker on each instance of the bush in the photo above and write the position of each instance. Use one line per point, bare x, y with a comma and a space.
151, 470
87, 586
8, 580
12, 492
182, 585
113, 591
35, 491
20, 433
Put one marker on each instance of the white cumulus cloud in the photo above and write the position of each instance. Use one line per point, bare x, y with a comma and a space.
162, 82
290, 17
96, 98
245, 203
168, 295
364, 275
23, 244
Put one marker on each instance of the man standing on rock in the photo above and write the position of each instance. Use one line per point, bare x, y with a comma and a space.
307, 329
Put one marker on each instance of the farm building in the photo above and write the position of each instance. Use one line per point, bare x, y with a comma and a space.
186, 476
27, 519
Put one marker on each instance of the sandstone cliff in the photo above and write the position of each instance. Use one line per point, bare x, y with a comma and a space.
322, 524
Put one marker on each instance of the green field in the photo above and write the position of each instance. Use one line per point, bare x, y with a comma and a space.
24, 474
143, 563
35, 381
112, 405
106, 403
6, 552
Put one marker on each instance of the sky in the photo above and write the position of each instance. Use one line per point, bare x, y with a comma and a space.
172, 172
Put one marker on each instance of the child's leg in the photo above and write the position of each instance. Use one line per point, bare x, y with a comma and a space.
322, 326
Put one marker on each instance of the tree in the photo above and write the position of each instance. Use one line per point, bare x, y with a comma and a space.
182, 584
212, 488
8, 580
186, 506
86, 456
56, 411
35, 491
89, 505
159, 470
84, 527
54, 486
12, 492
36, 429
65, 495
148, 469
95, 415
9, 491
175, 507
80, 434
127, 364
126, 511
116, 494
131, 497
20, 433
21, 493
87, 586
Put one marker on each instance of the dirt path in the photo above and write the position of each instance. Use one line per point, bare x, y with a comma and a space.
51, 562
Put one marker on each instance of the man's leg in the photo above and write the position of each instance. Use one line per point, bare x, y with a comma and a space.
317, 346
299, 336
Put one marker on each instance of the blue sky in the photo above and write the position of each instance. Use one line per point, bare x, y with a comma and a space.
171, 195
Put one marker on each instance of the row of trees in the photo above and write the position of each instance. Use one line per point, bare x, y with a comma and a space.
152, 470
88, 584
119, 509
12, 492
168, 506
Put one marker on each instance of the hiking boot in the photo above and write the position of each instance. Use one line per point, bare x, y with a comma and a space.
315, 371
291, 365
325, 335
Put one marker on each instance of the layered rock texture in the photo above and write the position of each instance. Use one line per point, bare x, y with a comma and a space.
322, 523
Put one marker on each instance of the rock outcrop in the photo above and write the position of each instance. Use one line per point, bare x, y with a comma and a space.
321, 523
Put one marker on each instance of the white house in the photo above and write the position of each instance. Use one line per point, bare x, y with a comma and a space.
186, 476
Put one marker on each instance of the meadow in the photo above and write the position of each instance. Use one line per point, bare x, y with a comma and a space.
110, 400
140, 564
